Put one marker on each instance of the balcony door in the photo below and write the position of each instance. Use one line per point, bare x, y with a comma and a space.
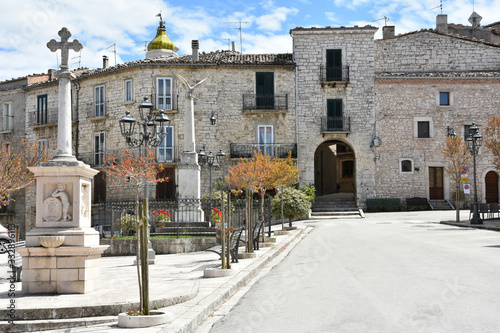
334, 65
264, 88
265, 136
334, 116
436, 191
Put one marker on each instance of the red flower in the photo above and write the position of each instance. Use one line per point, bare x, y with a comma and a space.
154, 213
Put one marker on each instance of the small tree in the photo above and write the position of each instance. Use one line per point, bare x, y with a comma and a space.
137, 170
457, 156
492, 139
15, 159
295, 204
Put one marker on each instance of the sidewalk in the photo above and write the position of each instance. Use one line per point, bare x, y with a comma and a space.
177, 285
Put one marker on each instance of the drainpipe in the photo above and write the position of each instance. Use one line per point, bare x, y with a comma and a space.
296, 100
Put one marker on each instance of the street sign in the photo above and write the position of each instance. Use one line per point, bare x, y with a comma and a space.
464, 177
466, 188
465, 170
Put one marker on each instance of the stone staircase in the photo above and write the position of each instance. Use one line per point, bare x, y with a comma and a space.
441, 205
186, 229
337, 205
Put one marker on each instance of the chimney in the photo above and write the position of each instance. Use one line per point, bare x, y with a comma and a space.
51, 73
195, 45
388, 31
104, 62
233, 46
442, 23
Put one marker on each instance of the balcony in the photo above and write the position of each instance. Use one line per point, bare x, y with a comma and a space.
170, 103
246, 150
334, 76
335, 124
172, 155
97, 111
48, 118
265, 103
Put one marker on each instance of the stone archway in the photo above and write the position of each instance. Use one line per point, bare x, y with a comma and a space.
334, 168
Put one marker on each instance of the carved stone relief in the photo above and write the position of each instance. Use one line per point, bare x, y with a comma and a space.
56, 206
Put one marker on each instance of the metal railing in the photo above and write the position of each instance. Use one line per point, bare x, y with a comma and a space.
47, 118
247, 150
118, 218
335, 124
334, 73
172, 102
90, 157
271, 103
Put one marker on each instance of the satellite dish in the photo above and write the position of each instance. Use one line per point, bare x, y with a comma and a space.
474, 19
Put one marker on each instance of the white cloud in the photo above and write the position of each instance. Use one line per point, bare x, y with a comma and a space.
274, 20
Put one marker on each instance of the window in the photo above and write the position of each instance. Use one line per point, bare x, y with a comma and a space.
334, 118
423, 129
264, 89
42, 146
99, 94
128, 91
99, 146
444, 98
406, 165
7, 114
347, 169
467, 131
165, 151
164, 93
41, 110
333, 65
265, 137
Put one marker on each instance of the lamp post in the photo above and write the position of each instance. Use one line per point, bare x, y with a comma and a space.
212, 162
148, 135
474, 141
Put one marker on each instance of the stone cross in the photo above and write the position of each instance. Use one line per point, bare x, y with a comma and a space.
64, 46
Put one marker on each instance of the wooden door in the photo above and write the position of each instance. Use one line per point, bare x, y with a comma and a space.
100, 187
491, 181
166, 190
436, 191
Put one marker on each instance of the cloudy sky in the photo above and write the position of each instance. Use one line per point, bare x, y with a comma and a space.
105, 25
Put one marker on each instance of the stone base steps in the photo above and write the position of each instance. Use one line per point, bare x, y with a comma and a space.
53, 324
337, 214
440, 205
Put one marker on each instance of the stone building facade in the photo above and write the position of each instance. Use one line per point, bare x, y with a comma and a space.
363, 118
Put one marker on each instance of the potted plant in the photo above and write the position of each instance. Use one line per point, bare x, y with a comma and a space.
162, 217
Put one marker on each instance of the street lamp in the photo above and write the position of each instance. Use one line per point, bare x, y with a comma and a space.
212, 162
474, 141
154, 131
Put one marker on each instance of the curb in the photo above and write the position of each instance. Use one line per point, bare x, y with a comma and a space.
195, 315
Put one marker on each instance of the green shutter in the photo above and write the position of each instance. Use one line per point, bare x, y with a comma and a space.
334, 65
334, 114
265, 90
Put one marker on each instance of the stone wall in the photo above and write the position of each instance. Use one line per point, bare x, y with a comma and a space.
127, 247
357, 49
401, 102
431, 51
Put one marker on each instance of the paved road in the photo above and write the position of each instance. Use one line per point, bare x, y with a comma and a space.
386, 273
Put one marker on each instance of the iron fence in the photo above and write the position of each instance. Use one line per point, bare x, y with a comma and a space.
118, 218
334, 73
246, 150
335, 124
265, 102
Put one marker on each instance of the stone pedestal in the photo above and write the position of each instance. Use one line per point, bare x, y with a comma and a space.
63, 204
189, 188
62, 270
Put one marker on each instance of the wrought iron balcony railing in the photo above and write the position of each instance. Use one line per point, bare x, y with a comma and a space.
265, 103
164, 155
247, 150
334, 73
335, 124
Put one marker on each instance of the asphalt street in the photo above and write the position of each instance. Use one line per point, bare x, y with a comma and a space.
386, 273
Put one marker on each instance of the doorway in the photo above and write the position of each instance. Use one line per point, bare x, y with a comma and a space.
334, 168
491, 182
436, 188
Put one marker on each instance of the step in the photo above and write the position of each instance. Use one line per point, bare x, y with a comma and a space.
53, 324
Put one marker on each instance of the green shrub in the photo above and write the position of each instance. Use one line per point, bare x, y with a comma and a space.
295, 204
126, 223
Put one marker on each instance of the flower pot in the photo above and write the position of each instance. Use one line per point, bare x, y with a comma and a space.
155, 318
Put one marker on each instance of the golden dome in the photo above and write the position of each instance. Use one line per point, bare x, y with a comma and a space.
161, 41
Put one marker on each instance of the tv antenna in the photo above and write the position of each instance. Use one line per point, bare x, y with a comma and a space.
385, 18
114, 50
145, 49
440, 6
240, 23
228, 43
79, 57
